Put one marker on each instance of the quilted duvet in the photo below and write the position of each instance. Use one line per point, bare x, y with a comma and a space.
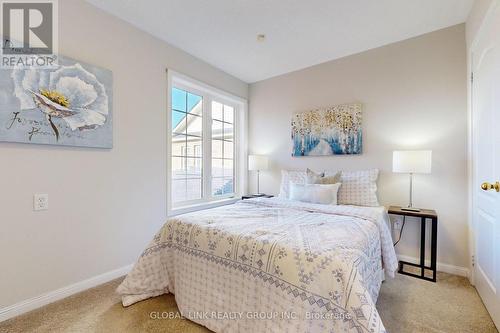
270, 265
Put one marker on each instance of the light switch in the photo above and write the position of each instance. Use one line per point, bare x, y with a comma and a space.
40, 201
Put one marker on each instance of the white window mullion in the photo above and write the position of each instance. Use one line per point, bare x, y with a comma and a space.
169, 142
236, 150
207, 149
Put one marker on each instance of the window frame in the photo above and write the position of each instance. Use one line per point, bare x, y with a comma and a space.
208, 94
235, 153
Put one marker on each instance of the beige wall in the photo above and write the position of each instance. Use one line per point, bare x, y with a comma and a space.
414, 96
105, 205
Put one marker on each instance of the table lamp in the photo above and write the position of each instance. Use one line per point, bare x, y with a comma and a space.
258, 163
411, 161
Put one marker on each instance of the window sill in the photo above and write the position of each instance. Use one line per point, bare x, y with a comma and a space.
201, 206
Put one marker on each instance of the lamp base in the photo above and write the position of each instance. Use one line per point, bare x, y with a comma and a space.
411, 209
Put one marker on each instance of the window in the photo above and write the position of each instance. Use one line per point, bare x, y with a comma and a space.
187, 170
205, 144
222, 149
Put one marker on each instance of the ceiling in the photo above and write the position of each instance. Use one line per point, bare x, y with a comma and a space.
299, 33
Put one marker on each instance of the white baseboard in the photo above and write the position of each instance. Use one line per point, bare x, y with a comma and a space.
52, 296
441, 267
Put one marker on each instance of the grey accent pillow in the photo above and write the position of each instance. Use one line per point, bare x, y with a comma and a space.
320, 178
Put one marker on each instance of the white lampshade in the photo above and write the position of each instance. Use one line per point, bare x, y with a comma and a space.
257, 162
412, 161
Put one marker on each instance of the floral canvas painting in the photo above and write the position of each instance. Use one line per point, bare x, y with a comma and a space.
328, 131
69, 105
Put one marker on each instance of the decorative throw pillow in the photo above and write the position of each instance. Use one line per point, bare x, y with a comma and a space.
314, 193
320, 178
312, 177
358, 188
297, 177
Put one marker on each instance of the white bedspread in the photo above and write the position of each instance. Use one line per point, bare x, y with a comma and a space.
270, 265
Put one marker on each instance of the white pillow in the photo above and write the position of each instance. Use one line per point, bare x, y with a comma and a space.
297, 177
314, 193
358, 188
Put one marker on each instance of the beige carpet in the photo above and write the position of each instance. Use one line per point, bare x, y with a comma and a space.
405, 305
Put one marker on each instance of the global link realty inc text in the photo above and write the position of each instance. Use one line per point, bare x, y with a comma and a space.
221, 315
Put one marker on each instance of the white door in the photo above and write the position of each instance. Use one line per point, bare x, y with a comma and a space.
486, 160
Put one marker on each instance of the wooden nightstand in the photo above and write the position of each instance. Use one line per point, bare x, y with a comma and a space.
251, 196
423, 214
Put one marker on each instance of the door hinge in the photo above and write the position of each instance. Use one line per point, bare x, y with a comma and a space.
473, 261
472, 77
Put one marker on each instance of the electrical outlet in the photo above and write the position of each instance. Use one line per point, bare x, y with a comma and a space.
40, 202
398, 224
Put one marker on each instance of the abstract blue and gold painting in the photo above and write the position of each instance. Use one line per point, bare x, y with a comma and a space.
68, 105
334, 130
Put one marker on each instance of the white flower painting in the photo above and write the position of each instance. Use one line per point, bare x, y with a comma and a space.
69, 105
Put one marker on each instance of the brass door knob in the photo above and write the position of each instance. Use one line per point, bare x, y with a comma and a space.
488, 186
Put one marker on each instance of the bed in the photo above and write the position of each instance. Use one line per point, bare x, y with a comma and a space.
270, 265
